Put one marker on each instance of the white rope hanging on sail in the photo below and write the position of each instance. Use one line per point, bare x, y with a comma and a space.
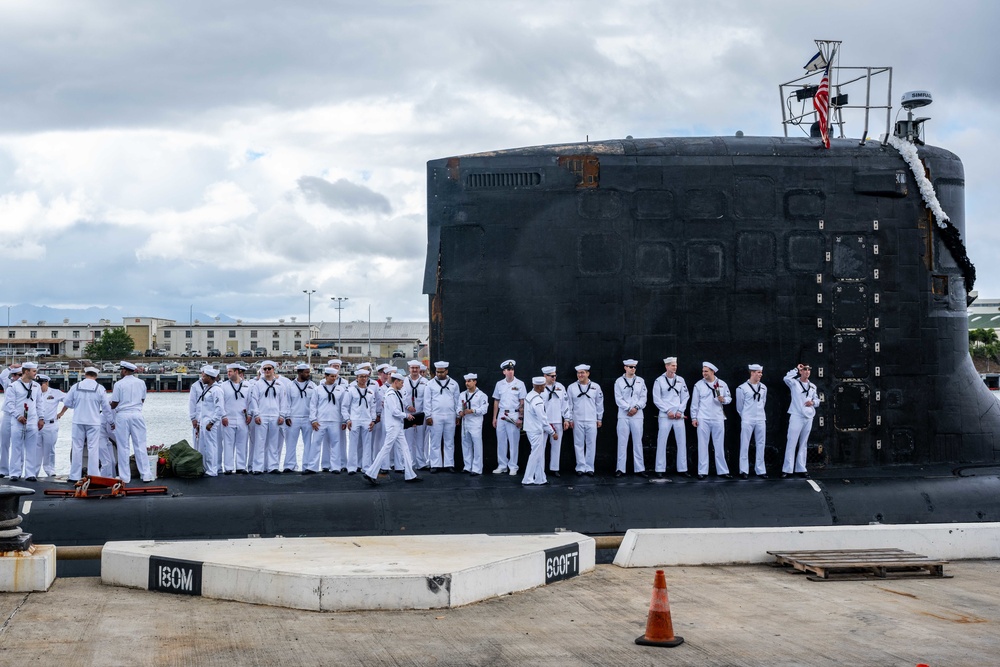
909, 154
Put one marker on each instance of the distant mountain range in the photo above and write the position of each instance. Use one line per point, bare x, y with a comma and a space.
33, 314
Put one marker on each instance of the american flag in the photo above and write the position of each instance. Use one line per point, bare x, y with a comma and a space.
821, 102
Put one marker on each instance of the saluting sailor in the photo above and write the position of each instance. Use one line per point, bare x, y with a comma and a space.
50, 414
267, 405
536, 426
442, 406
801, 411
630, 397
127, 397
358, 412
556, 411
327, 420
22, 408
585, 413
393, 415
670, 396
751, 397
472, 408
235, 425
299, 393
89, 402
707, 398
508, 415
414, 395
211, 412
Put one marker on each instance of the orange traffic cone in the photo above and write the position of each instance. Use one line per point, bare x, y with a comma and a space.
659, 628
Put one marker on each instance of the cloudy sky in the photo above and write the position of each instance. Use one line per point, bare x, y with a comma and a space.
226, 155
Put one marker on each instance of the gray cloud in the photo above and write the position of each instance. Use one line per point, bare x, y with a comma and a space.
343, 195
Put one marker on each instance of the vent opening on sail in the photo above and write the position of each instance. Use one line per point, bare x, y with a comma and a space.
516, 179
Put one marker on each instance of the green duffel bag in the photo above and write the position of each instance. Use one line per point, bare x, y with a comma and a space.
184, 461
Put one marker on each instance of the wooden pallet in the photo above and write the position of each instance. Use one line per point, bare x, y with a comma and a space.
857, 564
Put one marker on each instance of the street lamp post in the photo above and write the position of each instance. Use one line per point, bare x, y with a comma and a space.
309, 333
340, 306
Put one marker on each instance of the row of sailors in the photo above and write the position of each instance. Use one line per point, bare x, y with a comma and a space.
257, 418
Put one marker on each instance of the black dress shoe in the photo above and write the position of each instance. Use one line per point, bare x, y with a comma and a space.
434, 470
370, 480
743, 475
762, 476
726, 476
14, 478
618, 473
473, 474
2, 475
351, 472
241, 471
325, 469
274, 472
590, 473
659, 475
643, 474
31, 479
257, 472
451, 468
579, 473
701, 476
414, 479
287, 470
343, 470
307, 471
803, 475
555, 473
336, 472
786, 475
685, 474
228, 472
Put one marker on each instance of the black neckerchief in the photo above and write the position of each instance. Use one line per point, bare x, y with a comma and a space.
236, 390
672, 387
362, 396
303, 392
582, 392
331, 396
552, 392
631, 387
270, 387
413, 392
27, 388
804, 387
756, 392
204, 393
443, 386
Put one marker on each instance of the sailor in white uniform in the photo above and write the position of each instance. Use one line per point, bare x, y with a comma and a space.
536, 426
299, 392
751, 397
801, 410
442, 407
89, 402
584, 415
473, 406
211, 412
378, 433
670, 396
333, 452
127, 397
50, 414
630, 397
556, 411
268, 406
508, 416
393, 415
235, 425
358, 412
707, 398
414, 395
7, 376
327, 419
22, 409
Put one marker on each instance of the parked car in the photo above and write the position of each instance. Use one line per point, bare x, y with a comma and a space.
194, 354
154, 367
286, 353
136, 353
301, 353
246, 353
260, 352
214, 352
109, 366
229, 353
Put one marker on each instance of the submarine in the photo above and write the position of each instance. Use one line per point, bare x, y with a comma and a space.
735, 250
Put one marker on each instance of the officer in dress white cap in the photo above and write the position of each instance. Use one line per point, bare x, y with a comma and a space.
299, 392
22, 408
508, 415
473, 406
326, 416
442, 406
235, 425
801, 411
536, 426
127, 398
211, 412
584, 416
50, 414
670, 396
707, 398
414, 395
751, 397
630, 397
556, 411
